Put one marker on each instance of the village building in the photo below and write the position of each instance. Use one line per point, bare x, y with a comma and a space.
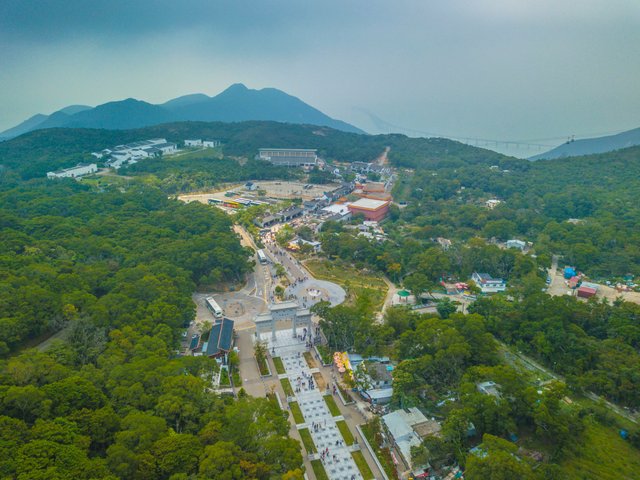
374, 210
337, 213
408, 427
134, 152
445, 243
587, 290
515, 243
377, 386
488, 284
289, 157
280, 217
202, 143
80, 170
219, 342
489, 388
492, 203
315, 246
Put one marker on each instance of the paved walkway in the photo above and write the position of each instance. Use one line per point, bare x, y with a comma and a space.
318, 419
311, 291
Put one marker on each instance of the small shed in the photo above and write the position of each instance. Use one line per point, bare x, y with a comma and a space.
587, 289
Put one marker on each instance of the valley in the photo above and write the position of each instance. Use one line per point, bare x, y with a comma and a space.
382, 258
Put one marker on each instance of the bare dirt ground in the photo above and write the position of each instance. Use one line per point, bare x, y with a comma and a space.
281, 190
383, 159
310, 360
320, 381
559, 287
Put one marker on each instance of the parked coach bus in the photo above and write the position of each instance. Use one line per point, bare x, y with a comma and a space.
262, 257
214, 308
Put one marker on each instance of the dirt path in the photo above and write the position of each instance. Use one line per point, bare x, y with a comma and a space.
391, 291
383, 159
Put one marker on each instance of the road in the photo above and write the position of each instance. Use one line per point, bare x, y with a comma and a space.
259, 282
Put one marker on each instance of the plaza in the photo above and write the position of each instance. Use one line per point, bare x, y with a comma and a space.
321, 424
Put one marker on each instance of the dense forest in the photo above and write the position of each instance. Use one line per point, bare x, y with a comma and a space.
115, 267
582, 208
33, 154
594, 345
414, 259
117, 271
440, 364
112, 258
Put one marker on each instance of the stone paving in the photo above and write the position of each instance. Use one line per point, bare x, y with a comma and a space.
310, 292
318, 419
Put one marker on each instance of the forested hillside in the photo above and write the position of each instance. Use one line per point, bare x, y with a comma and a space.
583, 208
33, 154
117, 270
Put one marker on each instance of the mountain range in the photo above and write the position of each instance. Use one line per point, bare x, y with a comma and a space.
235, 104
589, 146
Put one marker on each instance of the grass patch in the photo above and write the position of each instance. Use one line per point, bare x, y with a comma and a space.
277, 362
356, 283
273, 400
384, 455
603, 456
262, 365
333, 407
307, 441
286, 386
346, 433
318, 470
296, 412
345, 394
235, 376
363, 466
224, 378
325, 354
310, 361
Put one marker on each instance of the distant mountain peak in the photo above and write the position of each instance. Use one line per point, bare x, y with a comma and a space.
587, 146
235, 104
236, 87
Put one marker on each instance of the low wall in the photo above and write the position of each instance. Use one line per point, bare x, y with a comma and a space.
372, 452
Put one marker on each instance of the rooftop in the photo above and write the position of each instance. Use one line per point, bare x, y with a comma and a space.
379, 371
287, 149
336, 208
220, 337
283, 306
489, 388
428, 428
369, 204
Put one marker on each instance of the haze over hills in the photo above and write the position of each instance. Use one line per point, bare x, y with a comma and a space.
588, 146
237, 103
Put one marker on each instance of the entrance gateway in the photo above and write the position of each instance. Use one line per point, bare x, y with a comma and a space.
299, 317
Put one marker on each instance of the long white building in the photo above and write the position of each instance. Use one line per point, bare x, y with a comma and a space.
134, 152
202, 143
289, 157
79, 170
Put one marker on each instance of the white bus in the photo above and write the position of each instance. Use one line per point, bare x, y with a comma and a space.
214, 308
262, 257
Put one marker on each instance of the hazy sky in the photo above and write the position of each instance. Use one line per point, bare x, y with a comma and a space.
496, 69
